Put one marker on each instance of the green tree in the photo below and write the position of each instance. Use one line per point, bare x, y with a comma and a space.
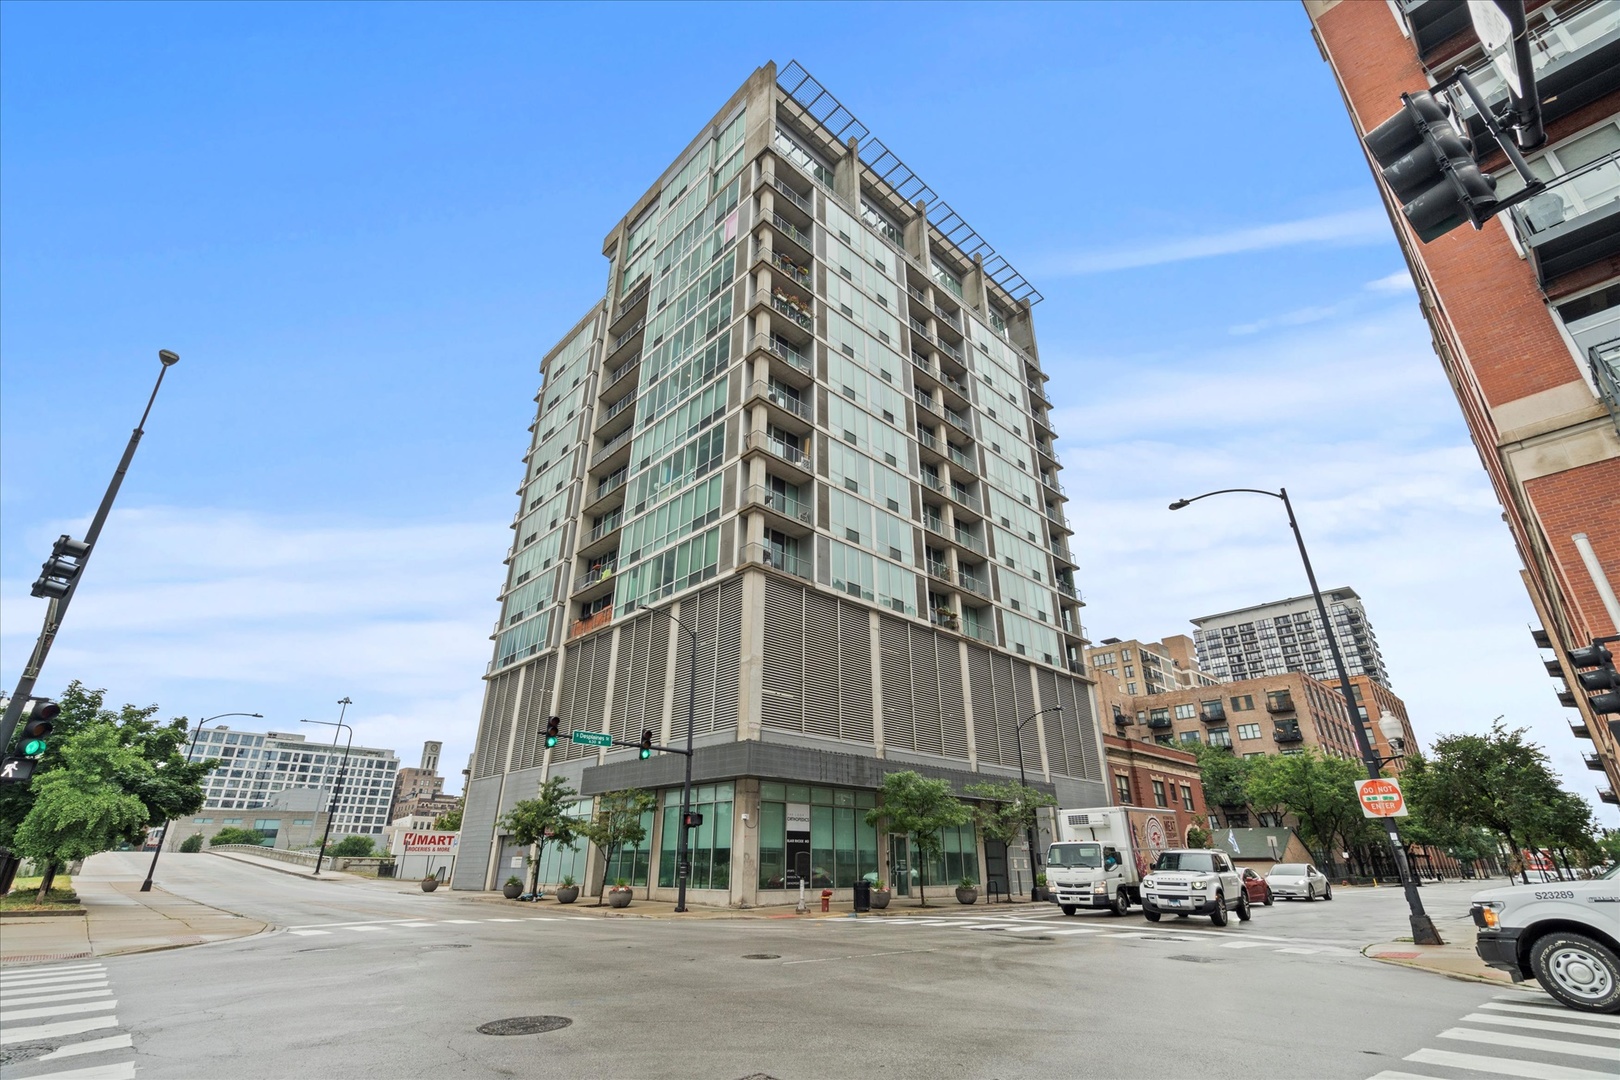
235, 834
83, 806
542, 820
1497, 781
192, 844
615, 822
449, 821
920, 809
353, 847
1197, 836
1006, 811
1318, 791
1224, 774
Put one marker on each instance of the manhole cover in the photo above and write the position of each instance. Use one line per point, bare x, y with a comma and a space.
762, 956
1198, 959
434, 948
524, 1025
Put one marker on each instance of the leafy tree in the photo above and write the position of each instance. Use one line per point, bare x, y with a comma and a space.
353, 847
1197, 836
542, 820
616, 821
918, 808
1609, 845
235, 834
192, 844
1497, 781
1224, 774
449, 821
1006, 810
1319, 791
83, 806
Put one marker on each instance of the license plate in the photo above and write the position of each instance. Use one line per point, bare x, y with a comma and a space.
1178, 903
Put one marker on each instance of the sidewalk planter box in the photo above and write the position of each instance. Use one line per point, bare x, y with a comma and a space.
880, 899
967, 896
567, 894
619, 898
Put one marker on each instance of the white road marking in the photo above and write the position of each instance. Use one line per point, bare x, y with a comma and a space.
1525, 1042
10, 1015
308, 933
461, 922
368, 929
1244, 945
857, 956
27, 973
1538, 1025
90, 1046
1299, 952
1074, 930
1552, 1010
78, 995
67, 982
52, 988
503, 920
123, 1070
1529, 1070
1389, 1075
543, 918
52, 1031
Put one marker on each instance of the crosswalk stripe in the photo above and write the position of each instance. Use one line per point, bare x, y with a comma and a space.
1528, 1070
91, 1046
65, 981
503, 920
17, 976
461, 922
1389, 1074
52, 1031
1244, 945
78, 995
543, 918
368, 929
1074, 930
1526, 1042
51, 988
1538, 1025
1551, 1010
309, 933
123, 1070
11, 1015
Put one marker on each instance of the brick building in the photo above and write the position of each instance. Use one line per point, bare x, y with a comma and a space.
1525, 314
1143, 772
419, 790
1127, 669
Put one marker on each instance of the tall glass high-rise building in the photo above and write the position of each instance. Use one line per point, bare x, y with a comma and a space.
809, 422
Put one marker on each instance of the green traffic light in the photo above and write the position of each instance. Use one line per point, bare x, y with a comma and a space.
551, 740
33, 747
645, 753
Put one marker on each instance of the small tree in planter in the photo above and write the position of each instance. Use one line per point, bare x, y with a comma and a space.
616, 822
1006, 812
967, 891
543, 820
918, 808
567, 891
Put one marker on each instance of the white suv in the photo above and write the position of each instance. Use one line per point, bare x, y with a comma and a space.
1194, 881
1563, 934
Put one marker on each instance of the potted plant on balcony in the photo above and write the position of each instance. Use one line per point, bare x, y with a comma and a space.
619, 896
513, 888
946, 617
967, 891
567, 892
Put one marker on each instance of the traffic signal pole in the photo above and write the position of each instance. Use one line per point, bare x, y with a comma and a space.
56, 609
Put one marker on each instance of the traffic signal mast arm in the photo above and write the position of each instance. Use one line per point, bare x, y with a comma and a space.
638, 745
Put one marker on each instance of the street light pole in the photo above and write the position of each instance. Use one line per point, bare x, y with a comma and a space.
163, 834
682, 854
1029, 824
337, 785
57, 608
1423, 929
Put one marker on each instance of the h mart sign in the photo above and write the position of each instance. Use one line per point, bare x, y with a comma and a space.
1381, 798
437, 843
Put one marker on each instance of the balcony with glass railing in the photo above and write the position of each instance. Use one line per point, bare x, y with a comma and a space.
962, 459
794, 197
1575, 222
786, 228
798, 512
973, 583
969, 541
781, 450
959, 420
783, 398
932, 482
608, 448
779, 558
1605, 357
939, 569
799, 275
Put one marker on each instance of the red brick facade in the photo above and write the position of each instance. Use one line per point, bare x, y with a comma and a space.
1158, 776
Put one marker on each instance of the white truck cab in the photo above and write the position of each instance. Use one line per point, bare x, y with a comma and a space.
1564, 934
1194, 881
1101, 854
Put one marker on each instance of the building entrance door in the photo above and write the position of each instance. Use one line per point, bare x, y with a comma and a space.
995, 867
900, 868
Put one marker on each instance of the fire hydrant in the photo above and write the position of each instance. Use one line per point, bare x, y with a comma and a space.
826, 899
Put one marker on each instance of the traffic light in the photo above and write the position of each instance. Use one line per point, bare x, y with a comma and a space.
1602, 677
553, 730
57, 574
646, 745
1430, 168
37, 727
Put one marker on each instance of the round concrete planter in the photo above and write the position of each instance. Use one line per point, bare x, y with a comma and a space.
880, 899
511, 890
567, 894
619, 898
967, 896
429, 884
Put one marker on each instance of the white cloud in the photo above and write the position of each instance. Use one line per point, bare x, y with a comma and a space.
1300, 317
208, 612
1348, 227
1398, 282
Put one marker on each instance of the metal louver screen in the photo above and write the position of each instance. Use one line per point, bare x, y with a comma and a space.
855, 673
783, 657
537, 686
953, 711
820, 665
728, 655
930, 735
899, 726
487, 756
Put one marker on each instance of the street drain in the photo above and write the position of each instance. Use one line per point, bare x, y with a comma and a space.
762, 956
524, 1025
1198, 959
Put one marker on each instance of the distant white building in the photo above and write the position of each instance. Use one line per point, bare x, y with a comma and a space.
253, 767
1287, 635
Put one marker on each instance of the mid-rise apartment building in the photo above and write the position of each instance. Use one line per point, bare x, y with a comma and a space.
253, 766
1525, 314
1128, 669
1287, 635
795, 473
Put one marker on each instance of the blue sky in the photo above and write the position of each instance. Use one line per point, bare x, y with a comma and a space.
362, 225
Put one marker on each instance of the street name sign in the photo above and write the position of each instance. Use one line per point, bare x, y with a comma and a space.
592, 738
1380, 798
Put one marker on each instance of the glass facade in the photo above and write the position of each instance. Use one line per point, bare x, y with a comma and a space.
710, 841
843, 848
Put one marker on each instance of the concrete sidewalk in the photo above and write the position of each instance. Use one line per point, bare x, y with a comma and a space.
1455, 959
305, 872
664, 909
118, 918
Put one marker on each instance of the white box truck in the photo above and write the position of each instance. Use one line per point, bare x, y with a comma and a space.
1102, 853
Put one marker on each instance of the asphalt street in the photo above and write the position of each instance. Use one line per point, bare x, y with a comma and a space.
375, 980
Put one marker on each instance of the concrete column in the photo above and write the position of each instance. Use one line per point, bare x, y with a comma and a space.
1040, 722
613, 670
967, 706
675, 636
1021, 329
973, 287
745, 841
751, 653
877, 684
847, 177
915, 234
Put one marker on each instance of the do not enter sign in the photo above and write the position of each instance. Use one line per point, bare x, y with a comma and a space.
1380, 798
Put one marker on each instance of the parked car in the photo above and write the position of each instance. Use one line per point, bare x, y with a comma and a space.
1255, 887
1300, 881
1194, 881
1565, 935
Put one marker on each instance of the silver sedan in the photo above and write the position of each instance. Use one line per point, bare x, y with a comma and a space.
1299, 881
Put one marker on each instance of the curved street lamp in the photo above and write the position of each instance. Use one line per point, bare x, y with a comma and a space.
1423, 929
146, 886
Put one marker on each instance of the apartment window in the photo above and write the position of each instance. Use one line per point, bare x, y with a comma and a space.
1220, 737
1186, 796
1248, 731
1186, 712
1190, 737
1158, 793
1130, 688
1129, 671
1242, 702
1122, 787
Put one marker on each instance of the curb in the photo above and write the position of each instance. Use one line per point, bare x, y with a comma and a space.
275, 869
40, 914
1415, 964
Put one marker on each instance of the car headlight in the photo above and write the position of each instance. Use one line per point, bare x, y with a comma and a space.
1200, 884
1147, 886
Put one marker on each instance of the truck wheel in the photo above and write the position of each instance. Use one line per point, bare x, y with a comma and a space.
1067, 909
1121, 905
1580, 972
1150, 915
1219, 916
1243, 911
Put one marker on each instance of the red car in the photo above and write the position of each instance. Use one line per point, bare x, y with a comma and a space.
1256, 888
